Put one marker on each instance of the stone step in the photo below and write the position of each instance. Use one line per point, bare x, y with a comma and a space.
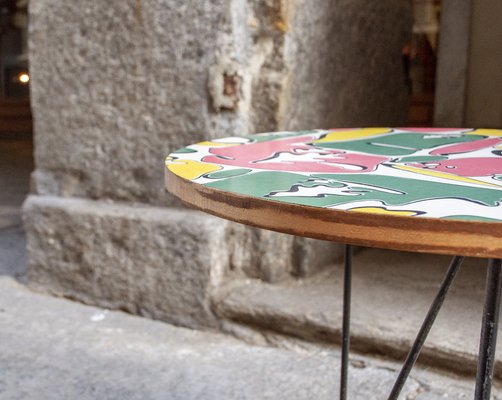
55, 349
391, 294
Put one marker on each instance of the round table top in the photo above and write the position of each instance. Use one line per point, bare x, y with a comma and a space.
417, 189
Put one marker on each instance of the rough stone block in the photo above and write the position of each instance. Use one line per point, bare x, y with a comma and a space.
345, 64
116, 86
161, 263
391, 294
273, 257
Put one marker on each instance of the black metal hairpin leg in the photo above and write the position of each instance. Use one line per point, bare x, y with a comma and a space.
488, 341
425, 328
347, 283
489, 327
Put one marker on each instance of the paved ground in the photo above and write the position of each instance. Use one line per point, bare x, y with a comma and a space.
57, 349
54, 348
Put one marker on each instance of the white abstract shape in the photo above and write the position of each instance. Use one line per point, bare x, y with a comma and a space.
349, 190
311, 156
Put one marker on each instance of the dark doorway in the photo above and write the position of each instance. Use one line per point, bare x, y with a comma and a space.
15, 115
16, 144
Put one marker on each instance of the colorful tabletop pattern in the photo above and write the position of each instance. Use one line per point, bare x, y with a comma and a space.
412, 172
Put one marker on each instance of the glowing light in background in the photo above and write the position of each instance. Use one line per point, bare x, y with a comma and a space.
23, 77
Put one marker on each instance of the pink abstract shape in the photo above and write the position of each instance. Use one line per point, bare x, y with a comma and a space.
467, 147
475, 166
292, 154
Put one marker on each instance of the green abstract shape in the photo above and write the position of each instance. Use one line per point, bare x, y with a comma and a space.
259, 184
471, 218
420, 159
392, 191
321, 201
227, 174
415, 189
397, 144
316, 182
185, 150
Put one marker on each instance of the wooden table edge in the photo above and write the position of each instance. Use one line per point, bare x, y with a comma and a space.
425, 235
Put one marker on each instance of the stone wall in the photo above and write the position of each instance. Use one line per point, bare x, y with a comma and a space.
117, 85
344, 59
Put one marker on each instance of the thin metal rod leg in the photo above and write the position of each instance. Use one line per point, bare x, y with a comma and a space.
347, 284
489, 327
426, 327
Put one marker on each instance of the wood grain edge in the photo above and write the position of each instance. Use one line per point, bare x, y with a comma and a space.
424, 235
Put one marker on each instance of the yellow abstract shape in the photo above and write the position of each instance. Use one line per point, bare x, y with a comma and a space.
381, 210
486, 132
216, 144
190, 169
444, 175
351, 134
